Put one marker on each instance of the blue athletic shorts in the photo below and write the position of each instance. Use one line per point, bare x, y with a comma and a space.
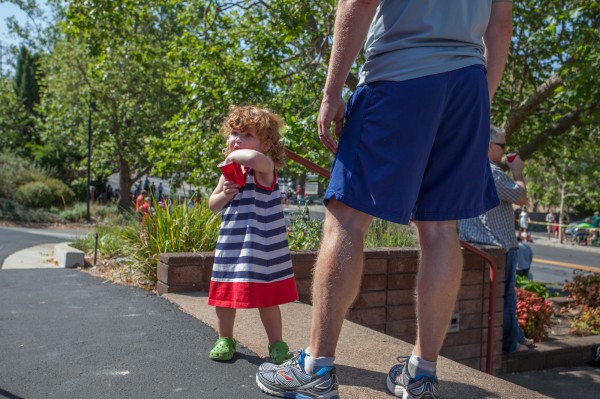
417, 149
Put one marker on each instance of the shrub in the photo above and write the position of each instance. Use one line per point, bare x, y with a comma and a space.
13, 211
585, 288
304, 233
25, 176
35, 195
531, 286
534, 314
387, 234
63, 195
587, 322
174, 228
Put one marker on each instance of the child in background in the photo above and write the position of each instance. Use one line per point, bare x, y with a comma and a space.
253, 266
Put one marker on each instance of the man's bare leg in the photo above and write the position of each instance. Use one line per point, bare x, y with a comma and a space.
438, 283
337, 275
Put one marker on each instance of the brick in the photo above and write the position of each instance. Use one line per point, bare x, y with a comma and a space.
401, 281
472, 277
373, 282
400, 297
185, 258
377, 253
304, 256
471, 321
376, 266
465, 337
367, 317
402, 312
403, 265
469, 306
369, 300
461, 351
182, 275
303, 269
304, 290
470, 292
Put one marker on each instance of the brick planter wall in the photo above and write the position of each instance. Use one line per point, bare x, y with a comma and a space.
386, 299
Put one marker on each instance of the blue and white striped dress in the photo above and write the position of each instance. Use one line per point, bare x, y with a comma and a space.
253, 267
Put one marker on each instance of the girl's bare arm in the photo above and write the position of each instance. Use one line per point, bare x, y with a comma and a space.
252, 159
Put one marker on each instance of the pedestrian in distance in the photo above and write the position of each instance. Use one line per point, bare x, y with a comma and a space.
252, 266
412, 143
524, 220
496, 227
550, 223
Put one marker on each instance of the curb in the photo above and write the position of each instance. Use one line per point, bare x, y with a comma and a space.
67, 256
576, 351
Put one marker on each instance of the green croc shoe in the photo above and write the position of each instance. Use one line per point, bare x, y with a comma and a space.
223, 350
279, 352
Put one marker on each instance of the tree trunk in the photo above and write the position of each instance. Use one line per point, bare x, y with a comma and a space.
125, 183
528, 107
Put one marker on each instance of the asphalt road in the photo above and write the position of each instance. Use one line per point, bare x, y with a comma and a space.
66, 334
556, 274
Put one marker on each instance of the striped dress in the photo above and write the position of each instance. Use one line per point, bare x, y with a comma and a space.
253, 267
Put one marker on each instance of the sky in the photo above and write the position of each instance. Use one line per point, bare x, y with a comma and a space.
7, 10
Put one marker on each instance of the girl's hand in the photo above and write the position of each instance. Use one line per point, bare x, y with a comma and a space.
230, 189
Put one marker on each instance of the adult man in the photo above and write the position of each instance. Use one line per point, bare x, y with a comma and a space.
496, 227
412, 145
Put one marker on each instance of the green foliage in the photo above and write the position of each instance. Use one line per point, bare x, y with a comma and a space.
548, 100
27, 87
584, 288
110, 241
13, 211
63, 195
14, 119
18, 174
163, 74
34, 195
531, 286
305, 234
175, 228
587, 322
387, 234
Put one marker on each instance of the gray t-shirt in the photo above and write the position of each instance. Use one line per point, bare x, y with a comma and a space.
414, 38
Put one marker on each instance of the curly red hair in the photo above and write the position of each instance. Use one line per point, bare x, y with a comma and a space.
266, 123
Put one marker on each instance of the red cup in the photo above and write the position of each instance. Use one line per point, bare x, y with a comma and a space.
511, 157
233, 172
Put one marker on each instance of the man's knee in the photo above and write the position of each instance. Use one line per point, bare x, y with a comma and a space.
432, 231
341, 217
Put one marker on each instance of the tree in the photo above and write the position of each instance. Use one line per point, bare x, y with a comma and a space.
14, 118
266, 53
549, 98
116, 57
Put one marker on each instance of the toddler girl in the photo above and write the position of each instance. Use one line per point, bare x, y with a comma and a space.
252, 266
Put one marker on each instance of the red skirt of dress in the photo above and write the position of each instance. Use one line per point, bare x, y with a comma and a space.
252, 295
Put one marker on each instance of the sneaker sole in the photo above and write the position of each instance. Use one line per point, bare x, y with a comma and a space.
400, 392
395, 390
296, 395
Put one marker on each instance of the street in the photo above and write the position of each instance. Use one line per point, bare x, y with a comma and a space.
554, 265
